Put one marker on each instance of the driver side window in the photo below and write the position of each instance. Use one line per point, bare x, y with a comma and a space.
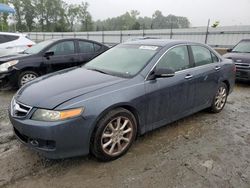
63, 48
176, 59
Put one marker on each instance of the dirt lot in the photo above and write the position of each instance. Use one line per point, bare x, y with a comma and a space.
203, 150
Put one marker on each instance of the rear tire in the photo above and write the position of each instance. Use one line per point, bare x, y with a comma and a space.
114, 135
220, 98
26, 77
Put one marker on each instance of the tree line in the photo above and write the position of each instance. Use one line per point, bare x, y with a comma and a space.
58, 16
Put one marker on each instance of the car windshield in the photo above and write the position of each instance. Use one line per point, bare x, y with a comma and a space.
243, 47
123, 60
38, 47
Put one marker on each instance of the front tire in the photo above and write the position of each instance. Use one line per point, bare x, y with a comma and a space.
220, 98
26, 77
114, 135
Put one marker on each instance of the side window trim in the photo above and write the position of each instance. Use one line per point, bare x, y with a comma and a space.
146, 78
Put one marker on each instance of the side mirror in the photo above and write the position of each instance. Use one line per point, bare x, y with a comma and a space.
162, 73
229, 50
49, 53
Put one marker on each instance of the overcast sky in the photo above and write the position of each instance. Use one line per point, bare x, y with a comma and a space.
228, 12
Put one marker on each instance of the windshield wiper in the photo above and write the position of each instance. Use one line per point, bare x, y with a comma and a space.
98, 70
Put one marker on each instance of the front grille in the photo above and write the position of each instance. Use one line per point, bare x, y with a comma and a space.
242, 65
19, 110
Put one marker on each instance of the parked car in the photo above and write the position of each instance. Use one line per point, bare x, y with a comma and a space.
240, 54
13, 43
46, 57
127, 91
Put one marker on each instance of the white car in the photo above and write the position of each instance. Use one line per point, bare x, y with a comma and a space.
13, 43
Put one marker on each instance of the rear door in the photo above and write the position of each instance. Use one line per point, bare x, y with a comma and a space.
170, 98
88, 50
206, 72
65, 56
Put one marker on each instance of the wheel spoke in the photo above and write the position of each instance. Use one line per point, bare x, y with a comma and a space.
124, 124
105, 135
112, 148
127, 131
125, 139
119, 146
118, 123
111, 126
107, 143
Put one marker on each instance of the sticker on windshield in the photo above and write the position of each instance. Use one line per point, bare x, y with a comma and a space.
148, 47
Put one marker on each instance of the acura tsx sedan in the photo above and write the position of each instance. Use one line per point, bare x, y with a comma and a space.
133, 88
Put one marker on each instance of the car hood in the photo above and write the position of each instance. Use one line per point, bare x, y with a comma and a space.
238, 57
54, 89
11, 57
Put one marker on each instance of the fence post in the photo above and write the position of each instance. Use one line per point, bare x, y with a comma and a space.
102, 37
171, 30
207, 32
121, 37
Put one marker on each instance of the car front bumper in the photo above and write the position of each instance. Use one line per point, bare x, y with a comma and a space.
242, 74
55, 140
8, 79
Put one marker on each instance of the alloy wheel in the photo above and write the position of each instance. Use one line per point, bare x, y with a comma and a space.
27, 78
220, 98
117, 136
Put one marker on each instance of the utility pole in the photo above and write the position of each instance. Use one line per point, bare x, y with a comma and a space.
207, 32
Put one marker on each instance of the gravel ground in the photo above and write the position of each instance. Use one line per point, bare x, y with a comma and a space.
203, 150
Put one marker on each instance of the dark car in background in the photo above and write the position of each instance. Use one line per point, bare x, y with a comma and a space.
46, 57
127, 91
240, 55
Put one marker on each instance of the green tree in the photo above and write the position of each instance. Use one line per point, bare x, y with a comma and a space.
29, 13
72, 15
85, 17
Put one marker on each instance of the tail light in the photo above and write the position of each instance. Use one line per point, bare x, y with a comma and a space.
29, 45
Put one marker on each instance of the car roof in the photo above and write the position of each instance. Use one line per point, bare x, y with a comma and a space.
73, 38
157, 42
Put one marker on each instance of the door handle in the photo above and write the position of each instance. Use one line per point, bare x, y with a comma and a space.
217, 68
189, 76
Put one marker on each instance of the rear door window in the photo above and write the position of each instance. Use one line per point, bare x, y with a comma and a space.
7, 38
202, 56
97, 47
86, 47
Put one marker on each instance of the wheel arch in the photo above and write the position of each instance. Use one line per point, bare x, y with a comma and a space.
126, 106
227, 84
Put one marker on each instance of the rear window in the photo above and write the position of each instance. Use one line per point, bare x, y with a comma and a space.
7, 38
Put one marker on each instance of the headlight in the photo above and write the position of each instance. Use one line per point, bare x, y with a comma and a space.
4, 67
51, 115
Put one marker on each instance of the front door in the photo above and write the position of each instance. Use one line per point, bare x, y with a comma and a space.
65, 56
168, 99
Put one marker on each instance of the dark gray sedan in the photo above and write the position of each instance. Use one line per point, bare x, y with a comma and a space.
240, 55
127, 91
